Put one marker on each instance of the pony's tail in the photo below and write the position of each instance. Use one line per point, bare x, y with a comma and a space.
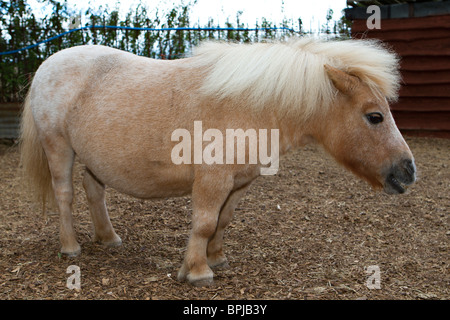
36, 172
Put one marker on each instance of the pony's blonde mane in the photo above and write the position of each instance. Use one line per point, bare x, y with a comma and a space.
290, 75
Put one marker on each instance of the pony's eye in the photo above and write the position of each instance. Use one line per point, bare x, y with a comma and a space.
374, 117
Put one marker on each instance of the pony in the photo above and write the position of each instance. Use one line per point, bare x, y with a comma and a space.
116, 112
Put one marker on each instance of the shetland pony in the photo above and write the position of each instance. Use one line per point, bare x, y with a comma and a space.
117, 111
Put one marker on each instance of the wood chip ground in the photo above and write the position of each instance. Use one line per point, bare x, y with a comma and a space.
310, 232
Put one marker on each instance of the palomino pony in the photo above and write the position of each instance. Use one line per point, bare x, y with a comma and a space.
117, 113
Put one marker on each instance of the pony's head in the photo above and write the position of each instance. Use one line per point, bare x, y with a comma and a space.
360, 132
344, 85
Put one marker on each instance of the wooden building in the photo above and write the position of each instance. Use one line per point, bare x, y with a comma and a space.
419, 31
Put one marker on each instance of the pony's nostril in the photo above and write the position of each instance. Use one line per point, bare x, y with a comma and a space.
409, 166
409, 171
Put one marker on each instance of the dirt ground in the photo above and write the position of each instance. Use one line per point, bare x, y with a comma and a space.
313, 231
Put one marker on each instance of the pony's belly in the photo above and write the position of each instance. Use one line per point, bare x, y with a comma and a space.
154, 191
155, 188
153, 181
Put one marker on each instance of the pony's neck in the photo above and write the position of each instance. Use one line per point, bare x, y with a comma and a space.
294, 133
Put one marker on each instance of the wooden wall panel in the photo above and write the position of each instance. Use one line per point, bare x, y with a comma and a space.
424, 47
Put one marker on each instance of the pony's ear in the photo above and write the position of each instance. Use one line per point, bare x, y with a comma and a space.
343, 81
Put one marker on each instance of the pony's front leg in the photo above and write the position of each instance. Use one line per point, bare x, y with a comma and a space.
209, 193
216, 257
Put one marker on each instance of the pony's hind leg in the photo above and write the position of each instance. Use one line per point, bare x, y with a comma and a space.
216, 257
60, 161
95, 193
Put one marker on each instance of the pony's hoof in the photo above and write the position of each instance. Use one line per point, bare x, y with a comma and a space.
201, 280
112, 244
204, 280
71, 253
223, 265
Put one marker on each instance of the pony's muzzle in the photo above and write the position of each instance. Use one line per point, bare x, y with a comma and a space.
400, 176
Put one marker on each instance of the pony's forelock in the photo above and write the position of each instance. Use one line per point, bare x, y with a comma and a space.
290, 75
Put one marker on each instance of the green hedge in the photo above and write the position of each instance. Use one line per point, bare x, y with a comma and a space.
20, 28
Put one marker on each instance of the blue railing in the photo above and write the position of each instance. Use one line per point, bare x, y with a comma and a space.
141, 29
